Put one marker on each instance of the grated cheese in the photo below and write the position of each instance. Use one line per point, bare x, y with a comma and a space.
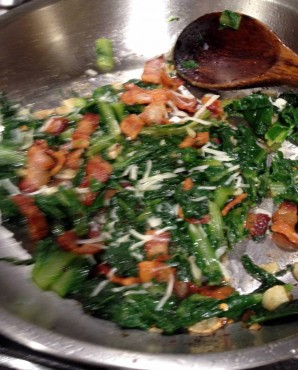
199, 168
9, 186
195, 270
99, 288
206, 105
167, 294
135, 292
154, 221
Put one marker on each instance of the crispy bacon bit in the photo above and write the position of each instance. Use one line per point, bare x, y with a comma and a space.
183, 102
104, 269
238, 199
216, 292
257, 224
187, 184
152, 70
68, 242
125, 281
157, 246
215, 108
109, 194
149, 270
131, 126
136, 95
87, 248
199, 140
55, 125
181, 289
85, 127
89, 198
98, 169
39, 164
170, 82
154, 113
37, 223
184, 289
60, 157
203, 220
284, 243
73, 159
284, 222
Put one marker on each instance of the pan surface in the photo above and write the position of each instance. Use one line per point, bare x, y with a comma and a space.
46, 49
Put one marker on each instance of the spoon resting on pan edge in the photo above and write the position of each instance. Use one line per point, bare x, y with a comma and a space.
212, 58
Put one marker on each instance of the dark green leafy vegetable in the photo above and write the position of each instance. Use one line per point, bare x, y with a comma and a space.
188, 64
229, 19
155, 214
104, 54
267, 280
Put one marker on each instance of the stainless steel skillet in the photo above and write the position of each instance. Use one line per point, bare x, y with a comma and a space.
46, 47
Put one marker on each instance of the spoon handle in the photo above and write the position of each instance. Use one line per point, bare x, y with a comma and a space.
285, 71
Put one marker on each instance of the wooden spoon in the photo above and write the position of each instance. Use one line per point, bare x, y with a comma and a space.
227, 58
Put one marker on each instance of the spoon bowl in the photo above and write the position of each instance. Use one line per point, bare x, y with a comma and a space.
215, 58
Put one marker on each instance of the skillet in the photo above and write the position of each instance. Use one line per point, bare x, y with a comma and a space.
46, 49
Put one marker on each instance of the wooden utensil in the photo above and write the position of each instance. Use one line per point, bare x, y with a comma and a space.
213, 58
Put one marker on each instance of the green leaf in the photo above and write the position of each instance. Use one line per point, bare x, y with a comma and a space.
229, 19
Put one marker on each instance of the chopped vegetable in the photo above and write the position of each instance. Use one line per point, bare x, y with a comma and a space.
104, 55
229, 19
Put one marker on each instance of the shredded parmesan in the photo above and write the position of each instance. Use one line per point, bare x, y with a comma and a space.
99, 288
168, 293
206, 105
9, 186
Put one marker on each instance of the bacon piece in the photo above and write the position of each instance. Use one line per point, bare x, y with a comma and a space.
238, 199
183, 289
68, 242
215, 108
125, 281
109, 194
87, 248
284, 243
98, 169
137, 95
89, 198
170, 82
131, 126
216, 292
203, 220
104, 269
199, 140
183, 102
157, 246
85, 127
55, 125
39, 164
257, 224
149, 270
187, 184
60, 157
152, 70
37, 224
154, 113
73, 159
284, 221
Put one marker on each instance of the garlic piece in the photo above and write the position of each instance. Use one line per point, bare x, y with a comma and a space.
274, 297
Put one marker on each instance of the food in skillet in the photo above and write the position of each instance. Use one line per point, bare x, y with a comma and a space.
134, 194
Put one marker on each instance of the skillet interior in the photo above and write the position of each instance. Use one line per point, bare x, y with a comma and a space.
46, 47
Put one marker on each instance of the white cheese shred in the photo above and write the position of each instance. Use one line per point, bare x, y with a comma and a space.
168, 293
